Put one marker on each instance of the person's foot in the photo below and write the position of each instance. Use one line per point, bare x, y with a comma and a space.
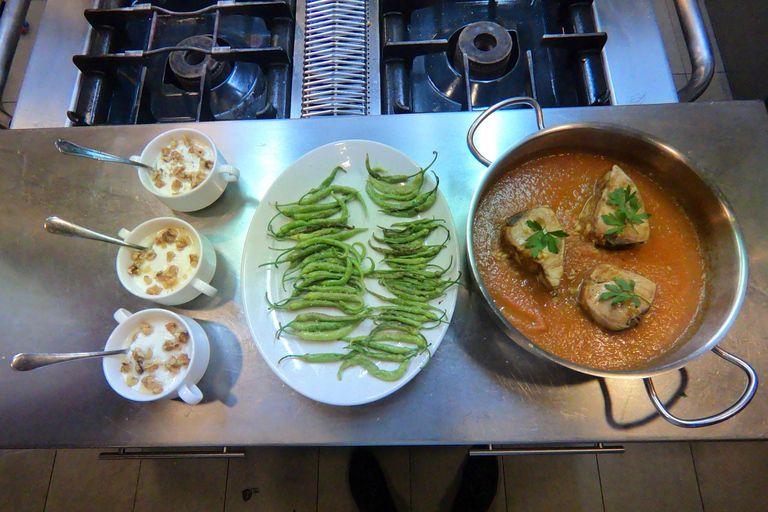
477, 488
368, 484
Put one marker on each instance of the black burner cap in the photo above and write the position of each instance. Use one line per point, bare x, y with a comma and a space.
487, 46
188, 65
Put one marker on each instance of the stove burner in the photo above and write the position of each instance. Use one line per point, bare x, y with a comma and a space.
188, 66
487, 46
143, 64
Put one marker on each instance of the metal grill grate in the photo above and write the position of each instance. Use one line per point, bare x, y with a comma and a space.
335, 74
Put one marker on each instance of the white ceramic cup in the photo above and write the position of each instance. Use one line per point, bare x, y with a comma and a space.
206, 192
195, 284
185, 386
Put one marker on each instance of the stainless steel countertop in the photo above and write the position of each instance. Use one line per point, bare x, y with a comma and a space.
634, 56
59, 295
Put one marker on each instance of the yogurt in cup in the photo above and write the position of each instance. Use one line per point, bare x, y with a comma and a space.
168, 356
178, 267
191, 173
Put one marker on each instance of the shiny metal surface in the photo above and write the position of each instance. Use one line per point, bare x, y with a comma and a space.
26, 362
634, 55
335, 71
746, 396
14, 13
719, 232
123, 454
567, 450
478, 389
635, 60
57, 226
62, 33
714, 221
70, 148
699, 50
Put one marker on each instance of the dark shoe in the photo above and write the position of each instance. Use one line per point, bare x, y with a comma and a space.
478, 484
368, 484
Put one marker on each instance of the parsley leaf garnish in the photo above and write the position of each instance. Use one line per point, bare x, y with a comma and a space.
627, 207
542, 239
622, 291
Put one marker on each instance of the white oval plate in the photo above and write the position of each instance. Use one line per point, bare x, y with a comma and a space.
319, 381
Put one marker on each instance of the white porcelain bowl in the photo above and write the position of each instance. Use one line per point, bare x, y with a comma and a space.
206, 192
197, 282
185, 385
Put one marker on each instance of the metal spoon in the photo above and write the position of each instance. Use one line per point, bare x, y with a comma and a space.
24, 362
59, 226
70, 148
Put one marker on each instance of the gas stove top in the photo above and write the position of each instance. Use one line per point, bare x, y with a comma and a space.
169, 61
181, 60
462, 55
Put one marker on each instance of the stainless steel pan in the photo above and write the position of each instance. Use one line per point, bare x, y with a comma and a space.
714, 220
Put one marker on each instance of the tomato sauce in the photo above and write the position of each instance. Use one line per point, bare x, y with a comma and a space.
673, 258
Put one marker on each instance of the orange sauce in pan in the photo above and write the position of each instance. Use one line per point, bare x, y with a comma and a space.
673, 258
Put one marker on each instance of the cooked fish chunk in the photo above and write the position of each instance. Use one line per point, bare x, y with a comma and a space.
538, 251
615, 215
616, 298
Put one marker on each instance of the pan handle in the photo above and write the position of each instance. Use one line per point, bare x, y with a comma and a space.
749, 392
522, 100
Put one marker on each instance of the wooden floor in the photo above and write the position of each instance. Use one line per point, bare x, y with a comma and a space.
650, 477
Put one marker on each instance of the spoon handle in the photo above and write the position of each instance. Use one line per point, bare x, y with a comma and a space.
24, 362
70, 148
59, 226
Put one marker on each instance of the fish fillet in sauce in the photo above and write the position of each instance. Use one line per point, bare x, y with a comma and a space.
546, 264
672, 258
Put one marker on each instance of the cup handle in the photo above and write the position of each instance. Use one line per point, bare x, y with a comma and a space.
121, 315
204, 287
230, 172
190, 393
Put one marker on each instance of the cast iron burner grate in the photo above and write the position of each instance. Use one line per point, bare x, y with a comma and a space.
464, 54
162, 62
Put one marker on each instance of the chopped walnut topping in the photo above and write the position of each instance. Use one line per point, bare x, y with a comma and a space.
154, 290
151, 383
166, 150
170, 345
132, 380
194, 258
169, 235
208, 164
183, 359
170, 255
137, 256
183, 241
151, 255
140, 356
174, 144
172, 365
152, 367
169, 277
134, 270
182, 336
125, 367
146, 329
171, 327
147, 280
199, 178
176, 185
